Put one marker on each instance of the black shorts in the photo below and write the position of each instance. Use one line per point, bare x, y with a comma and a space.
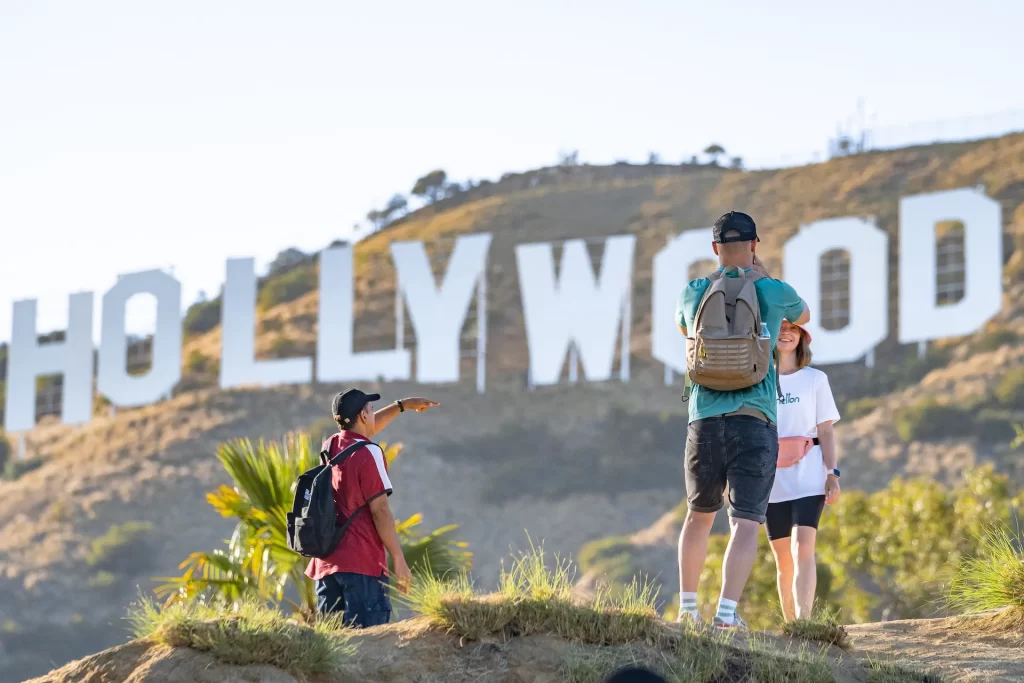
738, 450
782, 517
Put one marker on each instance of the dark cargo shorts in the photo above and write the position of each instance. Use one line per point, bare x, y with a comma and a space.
738, 450
363, 600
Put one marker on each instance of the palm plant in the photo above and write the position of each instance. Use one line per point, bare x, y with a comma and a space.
257, 562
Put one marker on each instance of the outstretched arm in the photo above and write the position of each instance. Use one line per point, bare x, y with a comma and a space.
805, 317
386, 414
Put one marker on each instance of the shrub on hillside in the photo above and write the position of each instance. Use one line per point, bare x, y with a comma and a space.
995, 338
201, 317
120, 543
288, 286
608, 557
904, 368
322, 428
198, 363
14, 469
895, 549
1010, 391
860, 407
994, 425
928, 420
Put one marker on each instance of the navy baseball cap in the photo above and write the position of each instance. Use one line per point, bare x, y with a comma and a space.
735, 226
350, 403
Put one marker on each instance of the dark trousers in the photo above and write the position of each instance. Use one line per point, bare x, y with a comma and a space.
363, 600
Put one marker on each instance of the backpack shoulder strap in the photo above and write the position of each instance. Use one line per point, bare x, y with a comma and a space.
716, 275
753, 276
778, 381
340, 457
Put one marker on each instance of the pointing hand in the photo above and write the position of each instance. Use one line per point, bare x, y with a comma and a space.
419, 404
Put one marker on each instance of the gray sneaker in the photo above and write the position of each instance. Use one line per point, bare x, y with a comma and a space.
738, 623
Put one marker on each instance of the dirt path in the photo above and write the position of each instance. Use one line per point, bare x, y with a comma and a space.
935, 645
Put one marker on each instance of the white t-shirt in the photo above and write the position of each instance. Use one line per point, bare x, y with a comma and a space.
806, 402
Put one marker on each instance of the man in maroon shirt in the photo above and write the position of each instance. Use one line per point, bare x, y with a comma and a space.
353, 579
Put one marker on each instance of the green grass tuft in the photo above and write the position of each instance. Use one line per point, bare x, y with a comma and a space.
535, 596
250, 633
823, 627
886, 672
992, 578
768, 665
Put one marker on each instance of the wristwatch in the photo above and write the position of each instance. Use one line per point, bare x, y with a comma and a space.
401, 408
834, 473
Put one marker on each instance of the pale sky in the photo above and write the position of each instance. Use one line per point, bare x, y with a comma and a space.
137, 135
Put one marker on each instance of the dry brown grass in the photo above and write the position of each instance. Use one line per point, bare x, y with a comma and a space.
1008, 621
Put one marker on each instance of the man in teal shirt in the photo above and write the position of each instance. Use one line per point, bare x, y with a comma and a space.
731, 437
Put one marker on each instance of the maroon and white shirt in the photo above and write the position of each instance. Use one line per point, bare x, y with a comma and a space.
362, 477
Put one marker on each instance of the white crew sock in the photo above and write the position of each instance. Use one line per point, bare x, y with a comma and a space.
688, 604
726, 611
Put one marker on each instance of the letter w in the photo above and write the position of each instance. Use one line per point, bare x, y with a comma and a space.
576, 308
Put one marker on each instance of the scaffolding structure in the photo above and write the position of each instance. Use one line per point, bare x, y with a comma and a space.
950, 266
834, 269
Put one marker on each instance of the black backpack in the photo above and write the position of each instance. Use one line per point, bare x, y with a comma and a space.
314, 527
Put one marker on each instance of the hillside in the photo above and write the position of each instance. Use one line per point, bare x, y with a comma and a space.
414, 651
121, 500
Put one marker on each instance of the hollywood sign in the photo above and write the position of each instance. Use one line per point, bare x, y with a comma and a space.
575, 313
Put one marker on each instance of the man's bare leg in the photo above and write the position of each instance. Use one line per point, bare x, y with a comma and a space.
739, 560
693, 549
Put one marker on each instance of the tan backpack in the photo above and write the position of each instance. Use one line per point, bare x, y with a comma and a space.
725, 350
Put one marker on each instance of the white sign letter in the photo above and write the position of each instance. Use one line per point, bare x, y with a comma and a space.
438, 314
335, 359
113, 380
867, 246
921, 319
575, 308
238, 366
671, 275
28, 359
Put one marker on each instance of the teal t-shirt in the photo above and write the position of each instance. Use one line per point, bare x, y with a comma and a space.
778, 301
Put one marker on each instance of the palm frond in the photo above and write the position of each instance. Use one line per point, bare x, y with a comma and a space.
391, 451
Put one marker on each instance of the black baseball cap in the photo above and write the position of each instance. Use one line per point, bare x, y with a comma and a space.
351, 402
735, 226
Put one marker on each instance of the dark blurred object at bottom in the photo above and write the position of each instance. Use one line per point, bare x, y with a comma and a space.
635, 675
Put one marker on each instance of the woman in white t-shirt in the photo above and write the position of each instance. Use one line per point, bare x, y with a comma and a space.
807, 477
